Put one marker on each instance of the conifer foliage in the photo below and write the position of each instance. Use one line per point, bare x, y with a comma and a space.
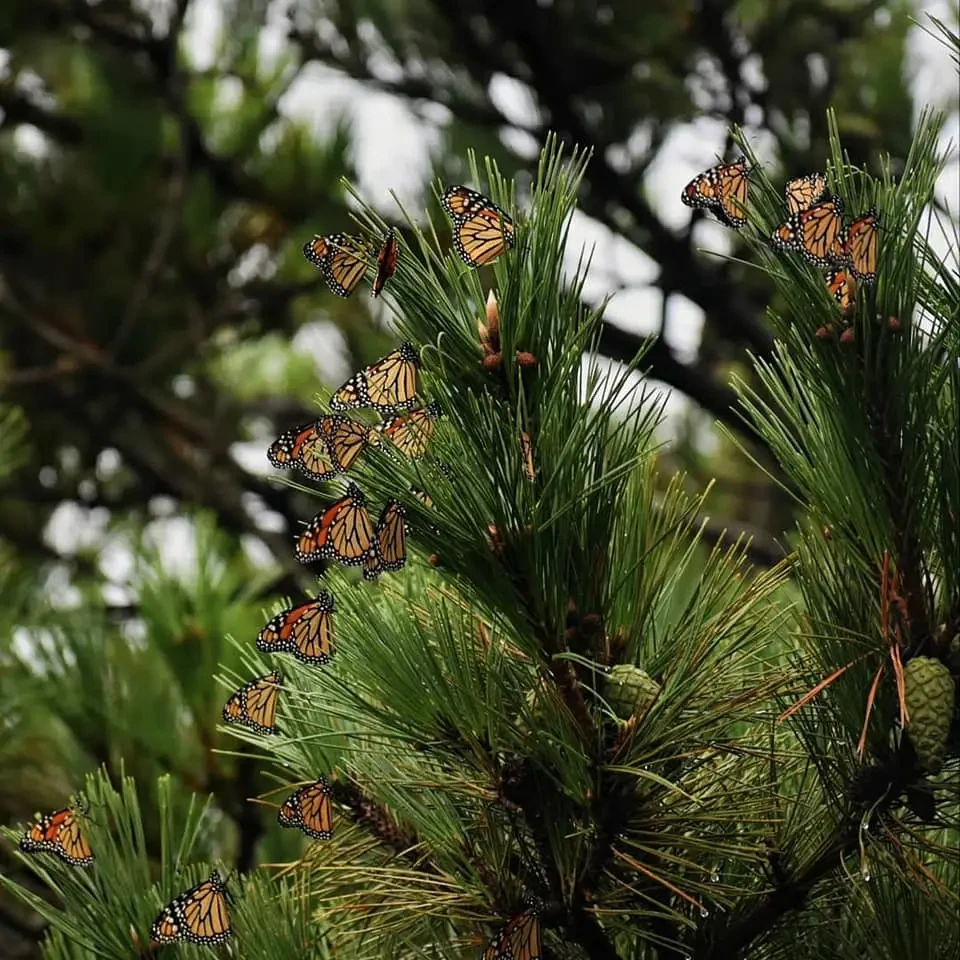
543, 719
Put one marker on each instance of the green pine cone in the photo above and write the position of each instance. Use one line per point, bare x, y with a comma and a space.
930, 696
630, 690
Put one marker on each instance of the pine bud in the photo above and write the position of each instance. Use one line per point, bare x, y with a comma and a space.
848, 336
525, 359
491, 362
824, 333
630, 690
894, 324
493, 315
930, 697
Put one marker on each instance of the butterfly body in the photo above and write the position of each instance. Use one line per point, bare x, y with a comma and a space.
386, 263
341, 258
198, 916
58, 833
388, 385
306, 631
309, 809
723, 190
481, 230
254, 705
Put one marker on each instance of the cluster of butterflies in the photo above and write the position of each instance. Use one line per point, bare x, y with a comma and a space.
482, 231
815, 228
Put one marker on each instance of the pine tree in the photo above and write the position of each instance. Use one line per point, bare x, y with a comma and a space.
566, 707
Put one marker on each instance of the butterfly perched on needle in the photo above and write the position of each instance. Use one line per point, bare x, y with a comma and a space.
323, 449
58, 833
341, 258
723, 190
254, 705
344, 532
386, 263
411, 434
863, 245
843, 288
518, 939
481, 230
804, 192
388, 385
309, 809
306, 631
818, 234
198, 916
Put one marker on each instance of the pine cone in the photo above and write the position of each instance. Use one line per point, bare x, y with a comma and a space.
930, 696
630, 690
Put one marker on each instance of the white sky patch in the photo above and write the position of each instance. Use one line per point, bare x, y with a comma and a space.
323, 342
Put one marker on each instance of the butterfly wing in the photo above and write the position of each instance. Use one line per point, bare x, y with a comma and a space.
482, 231
703, 191
804, 192
343, 532
199, 916
732, 183
387, 385
390, 551
386, 263
310, 810
411, 434
305, 631
863, 244
341, 259
58, 833
519, 939
254, 705
842, 288
422, 496
818, 233
347, 440
307, 449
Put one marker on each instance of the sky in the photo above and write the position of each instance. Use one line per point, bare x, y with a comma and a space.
392, 147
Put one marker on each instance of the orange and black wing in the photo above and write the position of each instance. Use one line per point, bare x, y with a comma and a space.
422, 496
58, 833
389, 384
842, 287
390, 545
863, 244
198, 916
343, 532
804, 192
254, 705
481, 230
309, 810
305, 631
818, 234
341, 259
386, 263
411, 434
722, 189
346, 441
307, 449
519, 939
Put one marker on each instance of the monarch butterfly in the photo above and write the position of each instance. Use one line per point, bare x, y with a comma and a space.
482, 231
803, 192
387, 385
518, 939
341, 259
422, 496
386, 263
722, 189
526, 448
863, 244
305, 631
310, 810
411, 434
199, 915
389, 549
58, 833
254, 705
343, 532
818, 233
843, 288
322, 449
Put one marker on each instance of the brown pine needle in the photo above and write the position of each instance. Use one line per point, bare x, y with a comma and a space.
822, 685
901, 684
871, 696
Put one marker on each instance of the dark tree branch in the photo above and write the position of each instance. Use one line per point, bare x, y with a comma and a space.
18, 109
